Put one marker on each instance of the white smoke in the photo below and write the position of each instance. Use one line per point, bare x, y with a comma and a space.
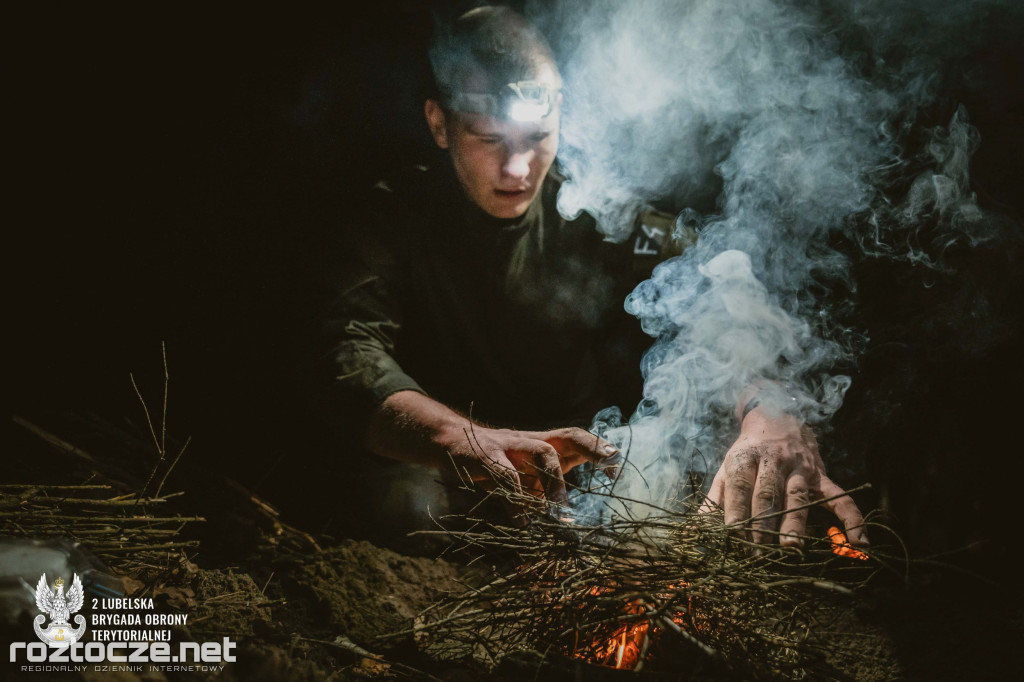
792, 117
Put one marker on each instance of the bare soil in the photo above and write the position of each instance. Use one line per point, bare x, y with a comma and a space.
319, 608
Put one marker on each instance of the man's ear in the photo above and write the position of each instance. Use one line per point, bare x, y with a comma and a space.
436, 122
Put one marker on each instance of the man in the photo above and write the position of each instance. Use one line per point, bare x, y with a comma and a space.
467, 290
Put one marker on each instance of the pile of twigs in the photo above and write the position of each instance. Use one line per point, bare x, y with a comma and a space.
128, 530
121, 529
668, 591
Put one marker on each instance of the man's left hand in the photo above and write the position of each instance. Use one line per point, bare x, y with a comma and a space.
774, 465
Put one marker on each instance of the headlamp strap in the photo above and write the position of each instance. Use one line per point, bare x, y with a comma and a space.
499, 105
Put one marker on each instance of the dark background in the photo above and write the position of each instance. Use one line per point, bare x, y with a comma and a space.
174, 170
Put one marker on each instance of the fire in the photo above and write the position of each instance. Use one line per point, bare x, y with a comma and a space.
626, 646
842, 547
622, 650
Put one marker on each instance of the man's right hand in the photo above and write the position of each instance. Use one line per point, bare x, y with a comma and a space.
413, 427
533, 462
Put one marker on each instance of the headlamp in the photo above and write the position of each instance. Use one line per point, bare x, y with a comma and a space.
522, 101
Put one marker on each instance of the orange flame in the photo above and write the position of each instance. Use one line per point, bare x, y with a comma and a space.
842, 547
623, 649
626, 645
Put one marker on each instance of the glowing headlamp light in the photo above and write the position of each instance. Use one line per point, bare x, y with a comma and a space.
522, 101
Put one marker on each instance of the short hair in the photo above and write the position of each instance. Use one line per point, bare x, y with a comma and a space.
495, 43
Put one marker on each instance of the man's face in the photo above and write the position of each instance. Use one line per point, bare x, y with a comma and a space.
500, 164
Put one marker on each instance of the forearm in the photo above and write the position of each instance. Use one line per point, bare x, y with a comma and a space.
769, 397
415, 428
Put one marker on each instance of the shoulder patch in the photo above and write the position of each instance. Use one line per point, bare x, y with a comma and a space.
657, 237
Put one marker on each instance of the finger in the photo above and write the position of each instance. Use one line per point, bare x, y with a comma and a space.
846, 509
794, 523
549, 468
497, 471
715, 495
577, 446
502, 474
542, 469
768, 498
741, 474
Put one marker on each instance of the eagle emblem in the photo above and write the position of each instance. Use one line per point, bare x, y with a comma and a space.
59, 607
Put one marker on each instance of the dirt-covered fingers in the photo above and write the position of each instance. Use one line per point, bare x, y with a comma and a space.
495, 470
740, 478
794, 523
540, 469
847, 511
768, 497
576, 446
716, 494
549, 469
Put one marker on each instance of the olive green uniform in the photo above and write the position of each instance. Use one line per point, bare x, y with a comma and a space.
522, 319
519, 321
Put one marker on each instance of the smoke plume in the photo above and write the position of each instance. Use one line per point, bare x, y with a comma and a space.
781, 127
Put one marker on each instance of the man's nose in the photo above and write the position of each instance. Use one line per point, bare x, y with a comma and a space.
517, 165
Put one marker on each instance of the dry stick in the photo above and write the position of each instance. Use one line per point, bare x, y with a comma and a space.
643, 649
814, 503
267, 584
903, 546
303, 534
671, 624
826, 585
149, 420
161, 443
163, 416
129, 534
32, 486
147, 548
79, 501
34, 514
173, 464
53, 440
465, 483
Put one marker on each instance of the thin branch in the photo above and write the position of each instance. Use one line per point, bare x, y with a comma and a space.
173, 464
815, 503
163, 416
149, 548
54, 440
33, 486
145, 409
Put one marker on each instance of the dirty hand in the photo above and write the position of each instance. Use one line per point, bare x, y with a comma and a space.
413, 427
527, 461
775, 465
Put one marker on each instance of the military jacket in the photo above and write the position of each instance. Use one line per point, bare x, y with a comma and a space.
520, 322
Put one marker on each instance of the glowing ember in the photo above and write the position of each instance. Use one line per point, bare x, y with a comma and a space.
628, 644
842, 547
622, 650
